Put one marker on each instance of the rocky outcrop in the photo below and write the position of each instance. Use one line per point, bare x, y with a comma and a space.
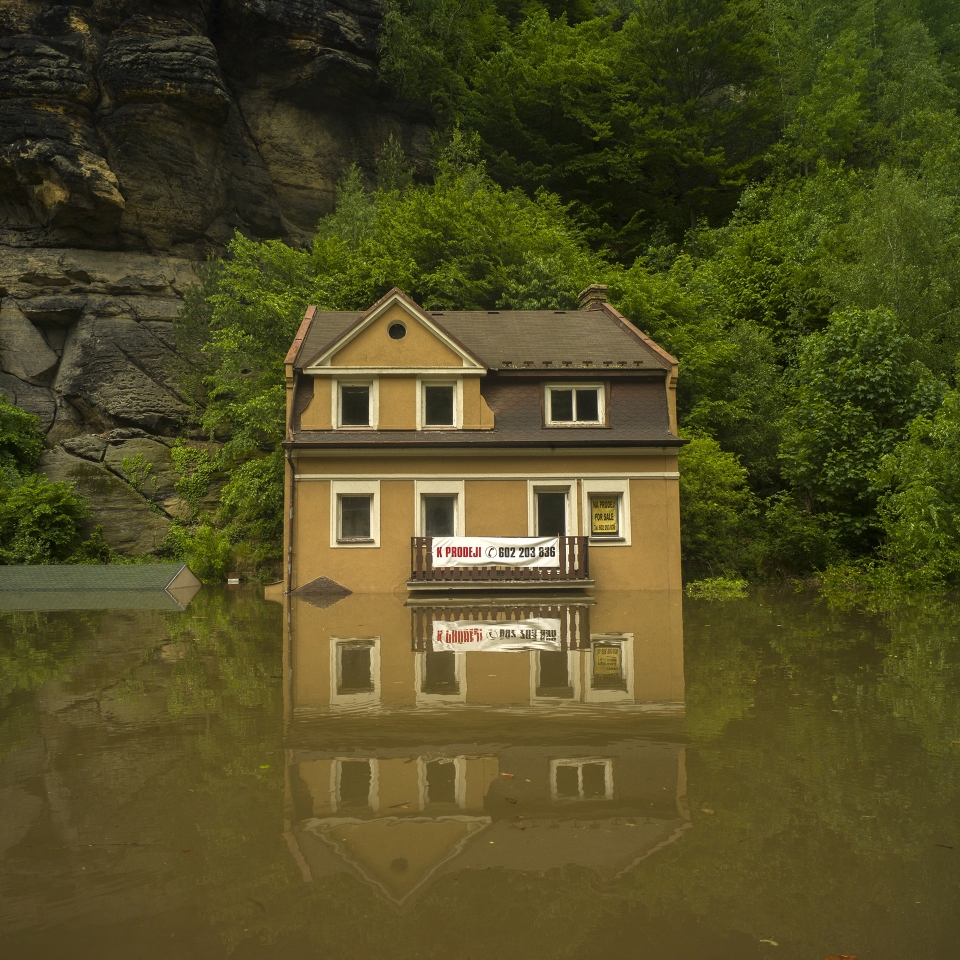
135, 137
158, 125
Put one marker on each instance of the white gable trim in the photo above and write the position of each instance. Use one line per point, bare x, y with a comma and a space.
324, 360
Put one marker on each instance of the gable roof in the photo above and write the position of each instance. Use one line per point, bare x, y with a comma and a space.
505, 339
365, 319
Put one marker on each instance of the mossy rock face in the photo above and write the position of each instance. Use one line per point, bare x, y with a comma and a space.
130, 524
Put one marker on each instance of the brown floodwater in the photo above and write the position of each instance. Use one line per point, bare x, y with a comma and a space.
630, 776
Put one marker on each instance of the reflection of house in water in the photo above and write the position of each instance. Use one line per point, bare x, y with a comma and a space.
373, 652
409, 762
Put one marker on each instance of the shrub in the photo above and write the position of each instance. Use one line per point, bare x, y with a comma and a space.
205, 550
39, 521
717, 509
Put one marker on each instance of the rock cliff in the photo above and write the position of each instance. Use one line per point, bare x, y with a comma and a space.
135, 137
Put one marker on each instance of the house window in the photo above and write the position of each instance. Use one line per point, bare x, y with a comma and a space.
355, 513
551, 513
587, 779
355, 667
553, 674
354, 519
439, 405
354, 405
606, 511
440, 673
438, 508
570, 406
439, 513
608, 667
605, 515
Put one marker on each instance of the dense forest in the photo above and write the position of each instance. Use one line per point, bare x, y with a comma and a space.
768, 187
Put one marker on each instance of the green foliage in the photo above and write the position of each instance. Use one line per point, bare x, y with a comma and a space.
21, 442
717, 588
717, 509
39, 522
206, 550
920, 508
855, 391
195, 467
768, 188
138, 472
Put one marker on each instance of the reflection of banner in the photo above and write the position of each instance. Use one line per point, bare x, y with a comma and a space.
502, 635
496, 551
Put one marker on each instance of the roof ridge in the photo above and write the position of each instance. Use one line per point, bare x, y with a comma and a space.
301, 335
635, 331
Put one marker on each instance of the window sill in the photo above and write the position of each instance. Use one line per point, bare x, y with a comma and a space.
576, 425
358, 542
611, 541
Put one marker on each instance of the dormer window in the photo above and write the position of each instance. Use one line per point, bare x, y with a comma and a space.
575, 405
439, 405
356, 405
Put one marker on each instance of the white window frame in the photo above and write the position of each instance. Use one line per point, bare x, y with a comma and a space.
336, 774
614, 487
354, 488
569, 487
351, 700
335, 412
580, 763
457, 384
573, 672
460, 783
592, 695
428, 699
601, 405
441, 487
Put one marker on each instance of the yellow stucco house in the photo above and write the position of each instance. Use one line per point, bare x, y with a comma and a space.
471, 450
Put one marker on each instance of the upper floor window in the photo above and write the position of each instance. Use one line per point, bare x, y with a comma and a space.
439, 404
575, 405
354, 405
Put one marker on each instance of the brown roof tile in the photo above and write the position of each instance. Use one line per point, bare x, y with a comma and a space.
523, 339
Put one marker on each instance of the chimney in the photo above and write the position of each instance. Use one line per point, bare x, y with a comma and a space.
593, 296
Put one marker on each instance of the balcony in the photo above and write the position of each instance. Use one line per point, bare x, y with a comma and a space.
571, 573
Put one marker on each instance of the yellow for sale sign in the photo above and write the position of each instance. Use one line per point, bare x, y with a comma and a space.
605, 520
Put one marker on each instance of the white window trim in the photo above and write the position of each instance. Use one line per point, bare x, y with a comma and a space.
601, 405
351, 700
573, 672
552, 486
591, 695
457, 384
620, 488
460, 783
580, 763
373, 383
349, 488
428, 699
336, 775
449, 487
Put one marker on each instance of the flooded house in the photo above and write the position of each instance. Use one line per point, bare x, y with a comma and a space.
430, 450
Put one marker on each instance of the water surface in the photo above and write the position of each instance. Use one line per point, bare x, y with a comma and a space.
670, 779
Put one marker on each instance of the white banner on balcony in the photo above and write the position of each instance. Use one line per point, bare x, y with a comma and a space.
496, 551
505, 636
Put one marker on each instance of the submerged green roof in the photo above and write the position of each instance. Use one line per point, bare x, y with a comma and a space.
97, 586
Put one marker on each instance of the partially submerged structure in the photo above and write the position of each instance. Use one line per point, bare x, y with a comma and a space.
406, 425
148, 586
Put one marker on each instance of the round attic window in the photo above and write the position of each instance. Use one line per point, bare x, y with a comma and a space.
397, 331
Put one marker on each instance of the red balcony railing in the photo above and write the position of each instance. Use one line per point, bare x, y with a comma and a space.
574, 566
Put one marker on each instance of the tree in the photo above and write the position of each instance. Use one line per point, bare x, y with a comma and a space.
854, 392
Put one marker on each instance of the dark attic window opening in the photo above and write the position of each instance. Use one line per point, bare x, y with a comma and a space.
493, 311
396, 331
559, 311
